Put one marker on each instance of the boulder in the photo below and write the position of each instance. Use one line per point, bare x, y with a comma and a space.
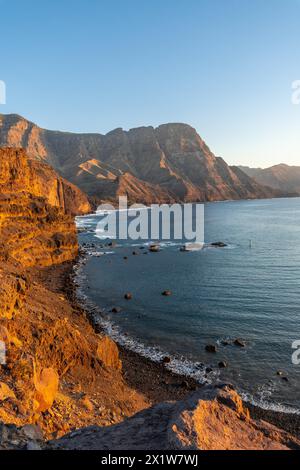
166, 293
116, 310
108, 353
240, 343
222, 365
166, 360
218, 244
211, 348
5, 392
46, 385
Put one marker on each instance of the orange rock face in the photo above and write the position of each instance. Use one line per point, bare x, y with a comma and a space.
216, 419
108, 353
46, 385
36, 226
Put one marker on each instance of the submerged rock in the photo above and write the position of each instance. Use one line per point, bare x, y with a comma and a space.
223, 365
116, 310
166, 360
218, 244
211, 348
154, 248
240, 343
166, 293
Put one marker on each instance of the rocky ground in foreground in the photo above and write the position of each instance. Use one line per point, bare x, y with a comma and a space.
210, 419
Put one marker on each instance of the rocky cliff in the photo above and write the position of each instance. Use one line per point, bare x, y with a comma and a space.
55, 370
164, 164
280, 177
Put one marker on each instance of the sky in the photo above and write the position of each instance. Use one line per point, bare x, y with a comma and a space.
226, 67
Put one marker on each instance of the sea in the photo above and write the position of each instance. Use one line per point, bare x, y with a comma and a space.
248, 290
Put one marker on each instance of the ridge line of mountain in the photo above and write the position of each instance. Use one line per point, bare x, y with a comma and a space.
169, 163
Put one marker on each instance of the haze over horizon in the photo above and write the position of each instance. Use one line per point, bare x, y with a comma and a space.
226, 68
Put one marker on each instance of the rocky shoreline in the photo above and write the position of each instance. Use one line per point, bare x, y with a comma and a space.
159, 384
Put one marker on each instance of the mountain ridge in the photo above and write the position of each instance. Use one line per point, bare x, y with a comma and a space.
167, 163
281, 177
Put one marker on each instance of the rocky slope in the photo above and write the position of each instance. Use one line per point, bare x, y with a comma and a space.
164, 164
211, 419
55, 370
280, 177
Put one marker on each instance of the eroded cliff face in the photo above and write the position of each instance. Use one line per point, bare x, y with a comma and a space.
36, 227
56, 371
166, 164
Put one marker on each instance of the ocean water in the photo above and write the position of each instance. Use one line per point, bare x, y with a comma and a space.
242, 291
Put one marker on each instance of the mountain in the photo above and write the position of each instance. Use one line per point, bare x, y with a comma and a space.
169, 163
281, 177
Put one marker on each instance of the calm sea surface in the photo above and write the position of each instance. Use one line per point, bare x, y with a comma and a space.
252, 293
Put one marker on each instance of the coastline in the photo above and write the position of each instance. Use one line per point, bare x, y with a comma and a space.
156, 382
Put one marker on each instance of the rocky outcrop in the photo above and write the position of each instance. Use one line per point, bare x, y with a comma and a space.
20, 174
211, 419
36, 226
108, 353
166, 164
53, 363
280, 177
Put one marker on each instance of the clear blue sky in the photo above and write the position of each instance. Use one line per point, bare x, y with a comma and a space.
223, 66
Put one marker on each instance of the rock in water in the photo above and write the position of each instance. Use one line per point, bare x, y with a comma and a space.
166, 293
222, 365
211, 348
240, 343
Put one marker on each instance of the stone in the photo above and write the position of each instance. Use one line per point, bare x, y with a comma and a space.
166, 293
211, 348
219, 244
6, 392
222, 365
240, 343
116, 310
166, 360
32, 432
46, 385
108, 353
87, 404
33, 446
154, 248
